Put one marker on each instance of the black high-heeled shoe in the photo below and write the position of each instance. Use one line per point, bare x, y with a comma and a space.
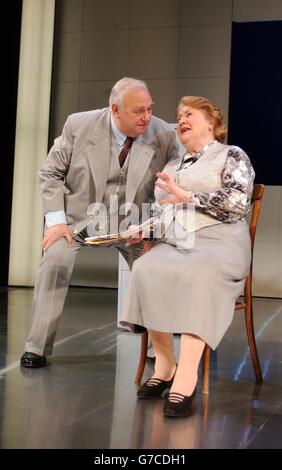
180, 408
154, 388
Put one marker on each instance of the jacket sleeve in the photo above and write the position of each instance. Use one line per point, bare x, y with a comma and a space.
233, 200
55, 168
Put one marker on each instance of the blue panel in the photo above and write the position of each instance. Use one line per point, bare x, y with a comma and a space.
255, 99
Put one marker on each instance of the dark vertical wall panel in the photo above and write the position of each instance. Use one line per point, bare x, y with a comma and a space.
10, 47
255, 106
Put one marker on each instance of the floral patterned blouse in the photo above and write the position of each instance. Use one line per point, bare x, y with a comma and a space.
233, 200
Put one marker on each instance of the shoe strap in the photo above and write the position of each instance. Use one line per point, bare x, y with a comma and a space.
152, 382
176, 397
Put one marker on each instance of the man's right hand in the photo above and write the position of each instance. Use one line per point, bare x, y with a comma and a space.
135, 237
54, 233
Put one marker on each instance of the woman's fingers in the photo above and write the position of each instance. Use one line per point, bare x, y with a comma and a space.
163, 176
162, 186
168, 200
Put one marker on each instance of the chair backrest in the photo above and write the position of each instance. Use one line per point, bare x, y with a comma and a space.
257, 196
247, 303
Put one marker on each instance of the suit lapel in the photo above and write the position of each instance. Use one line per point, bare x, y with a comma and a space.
99, 154
139, 162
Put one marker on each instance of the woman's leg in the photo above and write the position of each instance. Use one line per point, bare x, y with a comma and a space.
164, 351
186, 377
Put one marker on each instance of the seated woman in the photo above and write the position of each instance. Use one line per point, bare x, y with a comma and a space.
192, 289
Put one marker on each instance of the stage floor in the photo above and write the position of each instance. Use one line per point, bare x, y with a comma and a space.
86, 397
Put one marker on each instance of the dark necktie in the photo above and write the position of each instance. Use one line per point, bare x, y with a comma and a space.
124, 152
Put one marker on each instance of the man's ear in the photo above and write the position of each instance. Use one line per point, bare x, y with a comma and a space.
115, 109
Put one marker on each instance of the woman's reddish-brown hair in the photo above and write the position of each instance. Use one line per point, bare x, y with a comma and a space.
212, 113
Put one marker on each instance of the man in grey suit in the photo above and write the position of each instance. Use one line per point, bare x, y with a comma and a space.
83, 168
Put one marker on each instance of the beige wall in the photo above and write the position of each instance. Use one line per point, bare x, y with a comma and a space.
179, 47
33, 103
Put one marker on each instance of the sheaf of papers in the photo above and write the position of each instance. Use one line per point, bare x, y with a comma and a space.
117, 237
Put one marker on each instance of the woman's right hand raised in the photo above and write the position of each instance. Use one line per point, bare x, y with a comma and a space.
175, 193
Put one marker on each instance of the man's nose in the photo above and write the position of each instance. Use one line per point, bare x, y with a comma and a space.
147, 116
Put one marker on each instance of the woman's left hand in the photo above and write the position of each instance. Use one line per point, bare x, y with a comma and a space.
176, 194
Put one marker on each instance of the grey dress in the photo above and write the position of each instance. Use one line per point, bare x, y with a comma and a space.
193, 288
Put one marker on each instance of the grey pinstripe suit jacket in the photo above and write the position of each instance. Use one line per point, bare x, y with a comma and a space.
74, 175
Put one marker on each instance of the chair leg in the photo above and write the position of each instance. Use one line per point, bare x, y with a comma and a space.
252, 340
206, 370
142, 359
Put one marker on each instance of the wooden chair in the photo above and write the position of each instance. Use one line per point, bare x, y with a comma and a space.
245, 304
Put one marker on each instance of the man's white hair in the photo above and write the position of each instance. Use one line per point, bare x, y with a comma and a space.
123, 87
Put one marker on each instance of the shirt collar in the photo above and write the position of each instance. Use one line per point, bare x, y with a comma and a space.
201, 152
120, 137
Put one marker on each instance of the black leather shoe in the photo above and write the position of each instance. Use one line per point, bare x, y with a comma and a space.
154, 388
30, 359
181, 407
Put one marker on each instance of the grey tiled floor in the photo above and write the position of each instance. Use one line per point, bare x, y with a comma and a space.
86, 397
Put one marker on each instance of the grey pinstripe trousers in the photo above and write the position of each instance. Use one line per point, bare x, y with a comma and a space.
51, 288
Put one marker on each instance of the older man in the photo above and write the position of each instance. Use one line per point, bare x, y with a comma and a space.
115, 151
